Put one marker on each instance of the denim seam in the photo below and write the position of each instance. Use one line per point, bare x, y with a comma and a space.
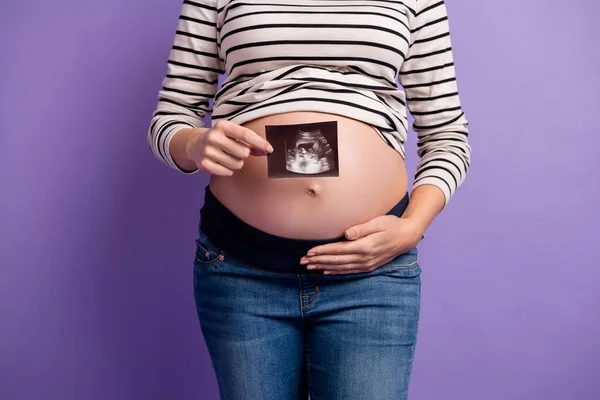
310, 386
220, 257
416, 333
217, 260
315, 299
402, 266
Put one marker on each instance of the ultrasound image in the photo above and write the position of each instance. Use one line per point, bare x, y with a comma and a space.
303, 150
309, 153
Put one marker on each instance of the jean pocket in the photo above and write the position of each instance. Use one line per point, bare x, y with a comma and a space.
406, 261
206, 252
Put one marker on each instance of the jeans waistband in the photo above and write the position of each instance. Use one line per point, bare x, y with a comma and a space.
257, 248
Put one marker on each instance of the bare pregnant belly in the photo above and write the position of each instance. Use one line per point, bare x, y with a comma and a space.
371, 179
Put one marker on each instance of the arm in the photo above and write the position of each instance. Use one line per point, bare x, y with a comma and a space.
192, 78
428, 78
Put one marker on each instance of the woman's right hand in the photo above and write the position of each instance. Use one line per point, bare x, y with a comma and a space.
222, 149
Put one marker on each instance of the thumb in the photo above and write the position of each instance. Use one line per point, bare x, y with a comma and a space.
362, 230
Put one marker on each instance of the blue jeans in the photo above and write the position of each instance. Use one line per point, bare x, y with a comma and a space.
275, 335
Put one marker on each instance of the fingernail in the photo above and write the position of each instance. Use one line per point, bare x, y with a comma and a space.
303, 261
270, 148
310, 254
310, 267
350, 234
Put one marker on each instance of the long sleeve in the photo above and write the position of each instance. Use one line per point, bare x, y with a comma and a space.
428, 78
193, 69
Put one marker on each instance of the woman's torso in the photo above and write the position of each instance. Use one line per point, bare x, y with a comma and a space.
372, 179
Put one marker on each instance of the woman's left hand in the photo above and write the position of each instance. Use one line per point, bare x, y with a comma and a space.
369, 246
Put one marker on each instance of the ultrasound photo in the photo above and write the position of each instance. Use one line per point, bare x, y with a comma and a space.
303, 150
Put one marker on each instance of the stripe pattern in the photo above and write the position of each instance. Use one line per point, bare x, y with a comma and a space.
338, 56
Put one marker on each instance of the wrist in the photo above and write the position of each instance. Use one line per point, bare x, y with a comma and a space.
417, 226
426, 201
182, 147
190, 135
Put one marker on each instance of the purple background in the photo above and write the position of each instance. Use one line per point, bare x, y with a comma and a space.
96, 240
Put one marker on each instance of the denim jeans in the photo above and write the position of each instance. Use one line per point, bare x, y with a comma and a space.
275, 335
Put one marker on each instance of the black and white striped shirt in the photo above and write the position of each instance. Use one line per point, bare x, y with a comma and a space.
336, 56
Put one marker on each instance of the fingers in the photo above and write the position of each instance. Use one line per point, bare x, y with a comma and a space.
243, 134
223, 158
342, 259
346, 269
215, 161
216, 138
361, 247
223, 148
372, 226
214, 168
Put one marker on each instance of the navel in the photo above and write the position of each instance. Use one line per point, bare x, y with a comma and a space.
313, 190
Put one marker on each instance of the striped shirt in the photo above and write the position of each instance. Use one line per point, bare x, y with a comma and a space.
342, 57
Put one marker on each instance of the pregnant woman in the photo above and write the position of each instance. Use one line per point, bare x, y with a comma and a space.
308, 282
